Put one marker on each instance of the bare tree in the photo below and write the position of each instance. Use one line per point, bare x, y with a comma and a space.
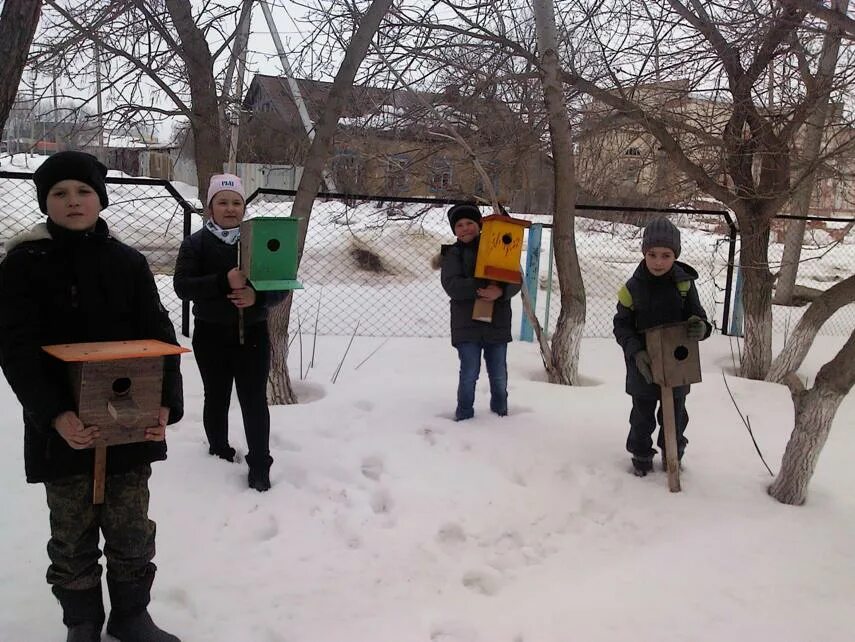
158, 63
815, 407
571, 320
366, 26
816, 129
18, 23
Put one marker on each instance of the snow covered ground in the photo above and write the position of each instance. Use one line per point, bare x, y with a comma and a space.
388, 522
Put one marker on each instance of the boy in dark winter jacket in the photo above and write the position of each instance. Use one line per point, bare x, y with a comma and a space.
207, 274
469, 336
662, 290
69, 281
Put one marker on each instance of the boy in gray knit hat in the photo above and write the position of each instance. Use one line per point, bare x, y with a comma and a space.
661, 290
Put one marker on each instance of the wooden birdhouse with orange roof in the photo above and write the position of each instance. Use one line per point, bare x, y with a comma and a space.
117, 386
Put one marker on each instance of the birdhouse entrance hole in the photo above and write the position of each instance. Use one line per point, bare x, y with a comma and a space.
681, 353
507, 239
121, 386
273, 245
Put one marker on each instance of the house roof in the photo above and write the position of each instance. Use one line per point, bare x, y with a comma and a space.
379, 108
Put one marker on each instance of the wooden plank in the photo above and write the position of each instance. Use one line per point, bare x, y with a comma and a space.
482, 310
672, 461
111, 350
100, 475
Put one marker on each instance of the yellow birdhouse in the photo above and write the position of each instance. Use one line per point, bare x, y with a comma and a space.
500, 248
673, 355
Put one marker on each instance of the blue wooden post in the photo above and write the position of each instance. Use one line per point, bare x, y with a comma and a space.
736, 317
532, 269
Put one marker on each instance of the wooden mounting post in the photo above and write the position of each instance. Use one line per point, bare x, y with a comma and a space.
482, 310
100, 474
671, 459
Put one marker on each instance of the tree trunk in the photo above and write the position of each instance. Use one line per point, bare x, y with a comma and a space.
279, 390
316, 160
18, 22
799, 342
567, 337
756, 295
208, 148
814, 413
811, 149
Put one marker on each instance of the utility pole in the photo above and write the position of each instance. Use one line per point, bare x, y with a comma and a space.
294, 88
100, 105
241, 43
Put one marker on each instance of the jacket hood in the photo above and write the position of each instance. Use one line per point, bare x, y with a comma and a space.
38, 232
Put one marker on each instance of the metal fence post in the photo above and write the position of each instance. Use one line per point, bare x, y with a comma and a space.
728, 285
548, 283
736, 321
532, 269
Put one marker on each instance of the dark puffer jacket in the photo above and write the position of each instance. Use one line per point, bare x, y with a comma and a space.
458, 280
647, 301
201, 273
58, 286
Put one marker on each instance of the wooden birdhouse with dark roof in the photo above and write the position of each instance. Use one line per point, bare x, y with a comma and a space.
117, 386
500, 248
268, 252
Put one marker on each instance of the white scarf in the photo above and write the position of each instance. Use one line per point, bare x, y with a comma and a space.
230, 236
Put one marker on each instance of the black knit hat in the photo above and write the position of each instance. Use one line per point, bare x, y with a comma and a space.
458, 212
661, 232
63, 166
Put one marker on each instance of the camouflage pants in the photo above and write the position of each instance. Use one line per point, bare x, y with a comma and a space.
75, 523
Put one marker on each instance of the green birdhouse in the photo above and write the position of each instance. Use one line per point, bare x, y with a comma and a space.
268, 252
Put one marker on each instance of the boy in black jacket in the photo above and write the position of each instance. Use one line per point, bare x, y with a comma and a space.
662, 290
69, 281
207, 274
469, 336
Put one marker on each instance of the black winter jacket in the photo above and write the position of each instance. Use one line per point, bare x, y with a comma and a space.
647, 301
58, 286
458, 280
201, 276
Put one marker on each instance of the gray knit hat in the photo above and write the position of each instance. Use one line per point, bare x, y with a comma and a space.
661, 232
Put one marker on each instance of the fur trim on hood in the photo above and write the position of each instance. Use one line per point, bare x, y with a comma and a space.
38, 232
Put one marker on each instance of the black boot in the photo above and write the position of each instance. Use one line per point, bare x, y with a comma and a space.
129, 618
82, 613
642, 465
226, 452
259, 472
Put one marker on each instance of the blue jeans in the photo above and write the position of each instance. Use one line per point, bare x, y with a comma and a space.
495, 356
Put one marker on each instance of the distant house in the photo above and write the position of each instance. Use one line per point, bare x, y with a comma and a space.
618, 161
389, 142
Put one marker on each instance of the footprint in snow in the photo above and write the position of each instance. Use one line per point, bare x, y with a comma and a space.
483, 581
372, 467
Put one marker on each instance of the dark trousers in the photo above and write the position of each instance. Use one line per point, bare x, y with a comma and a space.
495, 358
642, 422
222, 361
75, 523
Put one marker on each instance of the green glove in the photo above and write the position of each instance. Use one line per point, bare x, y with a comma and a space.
696, 328
642, 362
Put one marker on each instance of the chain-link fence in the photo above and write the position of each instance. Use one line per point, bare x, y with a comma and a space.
367, 268
147, 214
368, 264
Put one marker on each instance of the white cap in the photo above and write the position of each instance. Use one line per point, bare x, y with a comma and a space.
223, 182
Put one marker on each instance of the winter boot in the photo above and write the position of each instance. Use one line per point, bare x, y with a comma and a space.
227, 453
259, 472
642, 465
82, 613
129, 618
